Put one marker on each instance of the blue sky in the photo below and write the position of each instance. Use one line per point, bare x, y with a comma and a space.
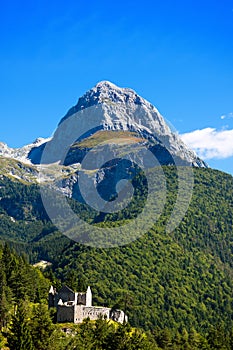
177, 54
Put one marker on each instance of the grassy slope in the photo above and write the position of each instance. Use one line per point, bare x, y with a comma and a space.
108, 137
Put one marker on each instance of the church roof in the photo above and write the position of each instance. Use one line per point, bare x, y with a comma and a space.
66, 289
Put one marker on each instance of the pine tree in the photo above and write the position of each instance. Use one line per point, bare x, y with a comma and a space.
124, 301
185, 338
84, 339
194, 339
100, 333
164, 338
19, 337
7, 261
2, 340
41, 327
4, 307
138, 341
217, 338
120, 339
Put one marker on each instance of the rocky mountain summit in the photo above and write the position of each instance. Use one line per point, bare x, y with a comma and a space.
115, 109
117, 121
107, 108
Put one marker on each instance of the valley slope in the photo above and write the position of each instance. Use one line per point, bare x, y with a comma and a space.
179, 279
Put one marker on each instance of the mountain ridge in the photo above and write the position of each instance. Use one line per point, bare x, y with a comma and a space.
118, 109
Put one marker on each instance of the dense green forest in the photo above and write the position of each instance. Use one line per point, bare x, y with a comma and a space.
176, 288
27, 324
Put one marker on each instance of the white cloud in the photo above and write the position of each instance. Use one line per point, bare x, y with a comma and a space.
210, 143
227, 116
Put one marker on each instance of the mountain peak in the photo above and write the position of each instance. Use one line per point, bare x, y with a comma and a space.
106, 92
106, 84
109, 107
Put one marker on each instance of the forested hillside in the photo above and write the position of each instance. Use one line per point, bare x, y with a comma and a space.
19, 281
27, 324
176, 281
171, 280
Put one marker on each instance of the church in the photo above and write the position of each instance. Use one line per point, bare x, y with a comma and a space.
76, 306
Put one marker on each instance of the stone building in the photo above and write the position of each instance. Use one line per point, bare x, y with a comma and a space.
75, 307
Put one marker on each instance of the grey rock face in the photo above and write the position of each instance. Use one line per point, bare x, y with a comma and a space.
122, 109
